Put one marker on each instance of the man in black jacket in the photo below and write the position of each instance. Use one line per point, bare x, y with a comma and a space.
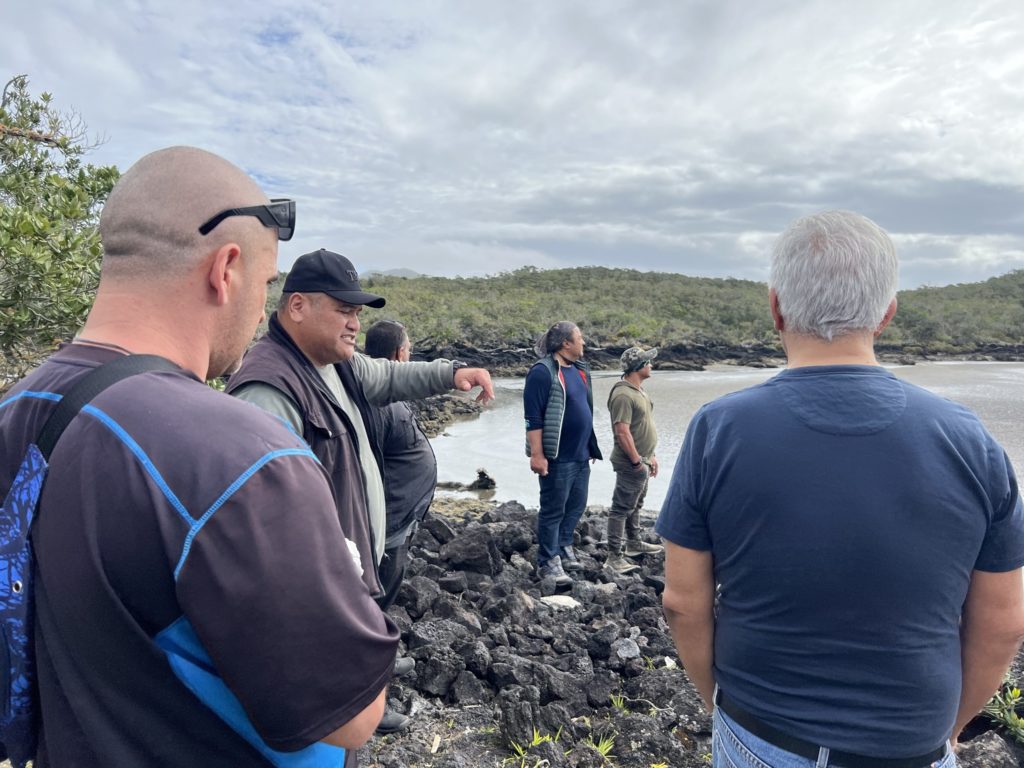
307, 372
410, 476
410, 469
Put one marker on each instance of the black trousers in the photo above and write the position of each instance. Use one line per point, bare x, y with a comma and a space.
391, 571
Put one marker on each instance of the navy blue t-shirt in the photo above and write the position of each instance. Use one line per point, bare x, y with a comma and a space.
845, 511
578, 419
578, 422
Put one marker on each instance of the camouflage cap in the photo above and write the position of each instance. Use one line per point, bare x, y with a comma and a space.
635, 358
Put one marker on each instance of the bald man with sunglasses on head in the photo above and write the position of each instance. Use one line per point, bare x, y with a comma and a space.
169, 547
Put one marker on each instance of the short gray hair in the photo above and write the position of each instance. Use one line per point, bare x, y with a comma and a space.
833, 273
555, 336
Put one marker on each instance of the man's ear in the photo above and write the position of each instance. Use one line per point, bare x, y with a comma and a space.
298, 307
223, 271
773, 302
887, 318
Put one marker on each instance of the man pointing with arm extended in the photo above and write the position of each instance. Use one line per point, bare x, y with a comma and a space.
306, 371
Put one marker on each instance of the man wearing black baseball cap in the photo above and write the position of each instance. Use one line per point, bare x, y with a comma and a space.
331, 273
306, 371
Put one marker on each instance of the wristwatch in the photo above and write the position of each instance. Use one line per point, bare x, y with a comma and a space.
458, 365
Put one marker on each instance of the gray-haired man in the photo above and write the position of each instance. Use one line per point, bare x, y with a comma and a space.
865, 535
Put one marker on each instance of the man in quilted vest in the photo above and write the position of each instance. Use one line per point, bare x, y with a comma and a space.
558, 402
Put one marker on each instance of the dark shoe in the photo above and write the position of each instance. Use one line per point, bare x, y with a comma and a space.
392, 722
569, 560
404, 665
553, 568
636, 548
619, 565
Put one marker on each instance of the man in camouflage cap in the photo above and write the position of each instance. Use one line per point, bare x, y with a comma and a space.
632, 458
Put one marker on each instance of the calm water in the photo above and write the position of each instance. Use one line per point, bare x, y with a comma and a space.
494, 441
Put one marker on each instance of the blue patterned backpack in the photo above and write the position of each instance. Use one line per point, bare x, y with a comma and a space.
18, 720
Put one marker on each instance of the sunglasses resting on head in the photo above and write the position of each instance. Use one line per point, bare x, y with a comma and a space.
278, 214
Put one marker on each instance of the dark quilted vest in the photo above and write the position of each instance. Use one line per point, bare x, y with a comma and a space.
276, 360
553, 414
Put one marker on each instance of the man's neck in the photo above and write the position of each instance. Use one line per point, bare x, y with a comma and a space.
634, 379
563, 361
852, 349
108, 325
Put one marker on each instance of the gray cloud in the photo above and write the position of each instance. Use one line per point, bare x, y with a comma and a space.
472, 138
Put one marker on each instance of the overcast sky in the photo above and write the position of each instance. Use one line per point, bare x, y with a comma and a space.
476, 137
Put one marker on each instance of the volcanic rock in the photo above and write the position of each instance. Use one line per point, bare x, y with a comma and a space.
502, 660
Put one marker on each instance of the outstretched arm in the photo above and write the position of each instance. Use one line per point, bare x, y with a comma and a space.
388, 381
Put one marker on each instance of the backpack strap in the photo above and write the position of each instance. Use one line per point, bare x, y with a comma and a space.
90, 386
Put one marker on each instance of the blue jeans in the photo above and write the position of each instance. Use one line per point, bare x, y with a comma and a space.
735, 747
563, 497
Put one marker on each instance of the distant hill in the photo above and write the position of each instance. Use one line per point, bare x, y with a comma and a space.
962, 315
619, 307
403, 272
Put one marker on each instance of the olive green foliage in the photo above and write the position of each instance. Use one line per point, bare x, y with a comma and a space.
49, 207
1003, 708
611, 307
617, 307
956, 317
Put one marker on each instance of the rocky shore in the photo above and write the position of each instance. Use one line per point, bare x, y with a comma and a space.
437, 412
511, 673
516, 359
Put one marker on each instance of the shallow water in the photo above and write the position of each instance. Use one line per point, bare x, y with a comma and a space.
495, 440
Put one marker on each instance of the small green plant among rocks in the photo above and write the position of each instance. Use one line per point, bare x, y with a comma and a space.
1002, 708
619, 702
603, 744
538, 738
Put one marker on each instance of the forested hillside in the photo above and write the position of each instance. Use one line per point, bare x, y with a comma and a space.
962, 316
619, 307
611, 306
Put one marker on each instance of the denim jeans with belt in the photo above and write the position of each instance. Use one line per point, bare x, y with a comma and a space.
735, 747
563, 497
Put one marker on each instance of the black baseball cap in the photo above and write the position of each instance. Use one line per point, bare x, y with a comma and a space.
327, 272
